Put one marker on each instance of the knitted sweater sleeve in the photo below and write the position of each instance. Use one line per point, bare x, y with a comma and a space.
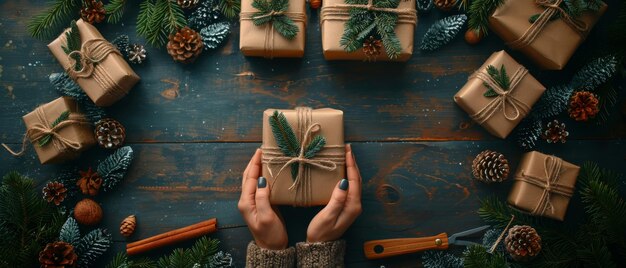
325, 254
260, 257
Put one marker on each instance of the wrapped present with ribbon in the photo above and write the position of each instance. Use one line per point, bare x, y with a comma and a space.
373, 30
95, 64
272, 28
543, 185
499, 94
547, 31
58, 131
303, 155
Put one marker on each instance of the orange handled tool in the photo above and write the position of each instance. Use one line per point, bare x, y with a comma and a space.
377, 249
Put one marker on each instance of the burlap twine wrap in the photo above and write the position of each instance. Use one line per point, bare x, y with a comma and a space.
268, 45
551, 9
341, 12
329, 161
91, 53
549, 184
504, 98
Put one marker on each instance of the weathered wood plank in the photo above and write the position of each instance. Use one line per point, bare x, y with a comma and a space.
221, 96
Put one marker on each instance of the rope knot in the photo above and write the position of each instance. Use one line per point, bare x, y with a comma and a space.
504, 99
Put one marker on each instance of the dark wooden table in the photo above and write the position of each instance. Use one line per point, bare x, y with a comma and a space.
195, 127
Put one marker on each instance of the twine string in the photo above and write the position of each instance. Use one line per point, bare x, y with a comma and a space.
91, 53
504, 99
549, 184
268, 42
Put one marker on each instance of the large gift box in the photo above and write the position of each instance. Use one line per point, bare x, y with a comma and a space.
59, 131
103, 73
297, 174
335, 14
499, 109
543, 185
264, 40
551, 42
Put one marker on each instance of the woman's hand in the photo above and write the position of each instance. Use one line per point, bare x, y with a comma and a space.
264, 221
342, 209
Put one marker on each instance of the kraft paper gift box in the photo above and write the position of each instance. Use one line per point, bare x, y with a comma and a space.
105, 81
316, 184
543, 185
264, 41
488, 111
555, 43
71, 137
333, 17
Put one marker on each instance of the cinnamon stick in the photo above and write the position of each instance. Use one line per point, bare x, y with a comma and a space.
172, 237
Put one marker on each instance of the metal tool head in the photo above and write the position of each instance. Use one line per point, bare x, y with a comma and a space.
453, 239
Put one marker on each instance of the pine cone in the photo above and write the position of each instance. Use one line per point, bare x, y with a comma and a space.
127, 228
555, 132
187, 4
93, 11
110, 133
222, 259
522, 242
54, 192
490, 166
89, 182
185, 45
372, 47
583, 105
58, 255
445, 5
137, 53
315, 4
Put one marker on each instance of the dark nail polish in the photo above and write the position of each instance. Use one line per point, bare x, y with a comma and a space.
262, 182
343, 185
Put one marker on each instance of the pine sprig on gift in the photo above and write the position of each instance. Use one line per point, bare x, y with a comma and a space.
230, 8
48, 137
442, 32
67, 87
52, 21
479, 12
70, 232
315, 146
363, 23
115, 10
158, 19
92, 246
284, 135
284, 25
114, 167
573, 8
500, 76
73, 43
595, 73
214, 34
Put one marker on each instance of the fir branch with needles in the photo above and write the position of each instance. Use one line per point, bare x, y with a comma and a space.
273, 12
52, 21
73, 43
230, 8
500, 76
115, 10
158, 19
92, 246
442, 32
114, 167
477, 256
48, 137
479, 12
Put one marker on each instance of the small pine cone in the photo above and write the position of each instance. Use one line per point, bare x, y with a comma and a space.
185, 45
445, 5
490, 166
110, 133
315, 4
89, 182
54, 192
93, 11
187, 4
372, 47
555, 132
127, 228
222, 259
583, 105
58, 255
522, 242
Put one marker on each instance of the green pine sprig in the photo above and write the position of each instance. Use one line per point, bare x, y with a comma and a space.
284, 25
200, 253
51, 22
500, 76
73, 43
158, 19
114, 167
121, 260
47, 138
442, 32
479, 12
115, 10
476, 256
230, 8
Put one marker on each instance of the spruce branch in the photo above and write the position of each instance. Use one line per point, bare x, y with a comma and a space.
440, 259
158, 19
73, 43
48, 137
92, 246
476, 256
500, 76
595, 73
52, 21
528, 133
67, 87
315, 146
121, 260
214, 34
70, 232
442, 32
479, 12
284, 135
230, 8
608, 97
207, 13
115, 10
271, 12
201, 253
114, 167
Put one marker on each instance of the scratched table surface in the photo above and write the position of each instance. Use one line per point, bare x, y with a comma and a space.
195, 127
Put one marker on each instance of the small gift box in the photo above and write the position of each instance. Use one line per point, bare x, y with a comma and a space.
94, 63
303, 155
272, 28
335, 17
543, 185
553, 37
500, 94
58, 131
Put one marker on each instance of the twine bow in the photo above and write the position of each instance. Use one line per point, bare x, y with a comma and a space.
552, 7
42, 128
504, 99
341, 12
268, 41
549, 184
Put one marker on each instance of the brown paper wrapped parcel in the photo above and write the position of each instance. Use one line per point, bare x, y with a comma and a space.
543, 185
264, 40
500, 114
333, 18
106, 77
550, 44
67, 139
315, 185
